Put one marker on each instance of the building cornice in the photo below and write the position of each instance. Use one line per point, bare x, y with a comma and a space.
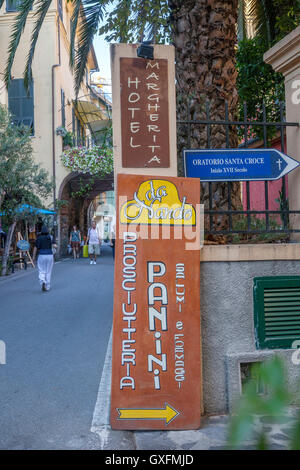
9, 17
285, 55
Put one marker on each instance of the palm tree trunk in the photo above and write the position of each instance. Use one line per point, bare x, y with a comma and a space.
7, 246
204, 35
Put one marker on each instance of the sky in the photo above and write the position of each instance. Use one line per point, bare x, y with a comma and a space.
103, 56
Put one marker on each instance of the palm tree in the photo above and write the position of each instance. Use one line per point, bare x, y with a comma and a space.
270, 20
257, 18
204, 34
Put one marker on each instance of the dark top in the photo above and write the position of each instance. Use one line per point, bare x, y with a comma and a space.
44, 245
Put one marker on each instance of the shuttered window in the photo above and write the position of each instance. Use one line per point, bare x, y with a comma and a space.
63, 108
13, 5
20, 103
277, 311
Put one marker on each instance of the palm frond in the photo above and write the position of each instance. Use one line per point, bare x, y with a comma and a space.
74, 24
242, 20
140, 16
15, 37
264, 16
252, 6
42, 9
89, 24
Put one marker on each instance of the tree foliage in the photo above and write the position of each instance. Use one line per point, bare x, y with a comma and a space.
272, 19
258, 84
135, 21
266, 395
128, 21
22, 181
287, 17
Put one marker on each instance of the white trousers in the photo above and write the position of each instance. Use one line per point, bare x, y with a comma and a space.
45, 265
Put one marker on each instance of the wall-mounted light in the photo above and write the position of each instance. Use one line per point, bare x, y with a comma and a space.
145, 50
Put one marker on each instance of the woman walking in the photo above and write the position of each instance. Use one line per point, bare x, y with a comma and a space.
43, 245
75, 240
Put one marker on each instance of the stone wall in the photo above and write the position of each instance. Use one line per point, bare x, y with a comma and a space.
228, 327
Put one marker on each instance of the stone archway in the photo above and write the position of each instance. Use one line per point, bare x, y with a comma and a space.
75, 212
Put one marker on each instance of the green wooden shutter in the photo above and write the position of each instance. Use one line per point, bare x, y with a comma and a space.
12, 5
276, 311
20, 104
63, 108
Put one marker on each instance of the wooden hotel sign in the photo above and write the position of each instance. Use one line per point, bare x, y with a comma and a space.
156, 363
144, 113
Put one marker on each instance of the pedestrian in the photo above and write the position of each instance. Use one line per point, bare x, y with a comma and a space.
44, 245
113, 239
75, 240
3, 236
94, 241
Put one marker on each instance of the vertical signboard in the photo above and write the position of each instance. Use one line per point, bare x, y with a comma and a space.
156, 364
144, 110
144, 113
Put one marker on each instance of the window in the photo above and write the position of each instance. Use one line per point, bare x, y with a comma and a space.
80, 132
12, 5
63, 108
20, 104
277, 311
73, 122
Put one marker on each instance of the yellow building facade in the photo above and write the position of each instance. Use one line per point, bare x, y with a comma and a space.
51, 104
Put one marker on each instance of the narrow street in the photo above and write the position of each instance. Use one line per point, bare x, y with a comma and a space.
55, 385
56, 344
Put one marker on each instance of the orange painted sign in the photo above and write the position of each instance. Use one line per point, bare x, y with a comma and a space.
156, 366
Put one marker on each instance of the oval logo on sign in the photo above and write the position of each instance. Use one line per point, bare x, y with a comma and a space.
157, 202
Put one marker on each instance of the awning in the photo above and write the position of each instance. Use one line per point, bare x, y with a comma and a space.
89, 112
98, 126
33, 210
94, 117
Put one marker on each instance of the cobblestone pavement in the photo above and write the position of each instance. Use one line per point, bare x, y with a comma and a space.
211, 436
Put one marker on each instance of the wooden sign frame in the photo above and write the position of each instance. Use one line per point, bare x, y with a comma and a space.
128, 52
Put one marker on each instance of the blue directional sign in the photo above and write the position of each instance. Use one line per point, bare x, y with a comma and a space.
237, 165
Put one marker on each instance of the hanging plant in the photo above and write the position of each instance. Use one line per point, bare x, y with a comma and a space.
84, 188
61, 131
96, 161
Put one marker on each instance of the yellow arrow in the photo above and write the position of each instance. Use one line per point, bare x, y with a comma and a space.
168, 413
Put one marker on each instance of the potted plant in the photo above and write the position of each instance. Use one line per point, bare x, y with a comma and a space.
68, 140
62, 131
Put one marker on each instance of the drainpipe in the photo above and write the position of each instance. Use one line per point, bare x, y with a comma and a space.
53, 123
